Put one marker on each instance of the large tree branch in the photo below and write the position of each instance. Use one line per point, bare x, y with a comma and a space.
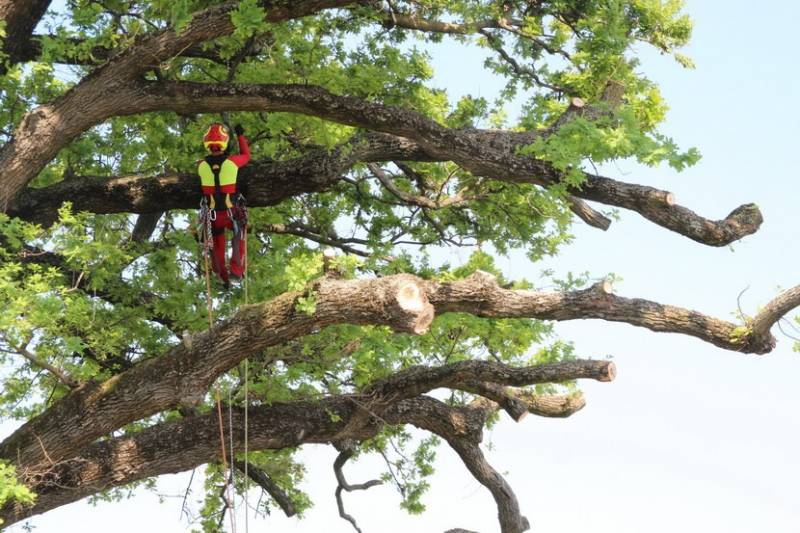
483, 297
181, 445
508, 511
264, 182
463, 431
488, 153
182, 375
485, 153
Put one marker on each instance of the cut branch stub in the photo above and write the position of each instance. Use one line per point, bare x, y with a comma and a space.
416, 312
552, 406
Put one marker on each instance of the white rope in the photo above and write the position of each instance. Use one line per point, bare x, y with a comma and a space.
246, 397
232, 480
246, 478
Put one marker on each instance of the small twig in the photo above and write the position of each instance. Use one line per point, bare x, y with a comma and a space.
262, 479
44, 451
421, 201
796, 339
739, 303
184, 508
41, 363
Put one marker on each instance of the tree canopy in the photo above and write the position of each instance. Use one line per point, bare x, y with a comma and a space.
111, 359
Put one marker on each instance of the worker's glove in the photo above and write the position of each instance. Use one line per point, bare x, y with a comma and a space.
238, 129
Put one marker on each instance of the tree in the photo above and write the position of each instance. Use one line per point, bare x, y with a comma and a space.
110, 357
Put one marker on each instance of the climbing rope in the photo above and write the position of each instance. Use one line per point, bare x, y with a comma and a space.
224, 459
246, 378
206, 218
232, 485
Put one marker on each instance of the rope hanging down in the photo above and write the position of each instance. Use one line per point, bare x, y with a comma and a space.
206, 217
222, 208
246, 399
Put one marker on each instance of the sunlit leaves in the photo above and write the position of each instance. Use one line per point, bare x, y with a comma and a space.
11, 489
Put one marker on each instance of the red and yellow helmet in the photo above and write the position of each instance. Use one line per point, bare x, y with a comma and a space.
216, 134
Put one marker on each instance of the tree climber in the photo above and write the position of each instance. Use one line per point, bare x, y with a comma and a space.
223, 206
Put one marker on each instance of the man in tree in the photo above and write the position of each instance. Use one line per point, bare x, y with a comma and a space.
107, 357
223, 205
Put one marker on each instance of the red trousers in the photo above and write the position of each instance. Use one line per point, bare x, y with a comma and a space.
222, 222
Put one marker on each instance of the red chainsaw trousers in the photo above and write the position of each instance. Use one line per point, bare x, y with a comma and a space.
222, 222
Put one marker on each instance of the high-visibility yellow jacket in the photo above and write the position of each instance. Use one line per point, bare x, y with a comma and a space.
218, 175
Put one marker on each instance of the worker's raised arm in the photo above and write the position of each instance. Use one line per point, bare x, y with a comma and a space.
243, 156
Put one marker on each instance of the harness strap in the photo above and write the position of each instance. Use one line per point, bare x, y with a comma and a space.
216, 168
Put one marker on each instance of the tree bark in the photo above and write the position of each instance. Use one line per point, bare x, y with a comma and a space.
483, 152
403, 302
180, 445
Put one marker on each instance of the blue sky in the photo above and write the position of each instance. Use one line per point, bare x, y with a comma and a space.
689, 437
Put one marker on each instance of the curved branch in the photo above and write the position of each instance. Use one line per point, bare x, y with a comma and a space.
264, 182
491, 154
263, 480
316, 236
488, 153
420, 201
508, 511
774, 311
153, 451
342, 484
462, 430
182, 375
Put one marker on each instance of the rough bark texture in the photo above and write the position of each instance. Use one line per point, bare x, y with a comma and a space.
264, 182
483, 152
263, 480
183, 374
180, 445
